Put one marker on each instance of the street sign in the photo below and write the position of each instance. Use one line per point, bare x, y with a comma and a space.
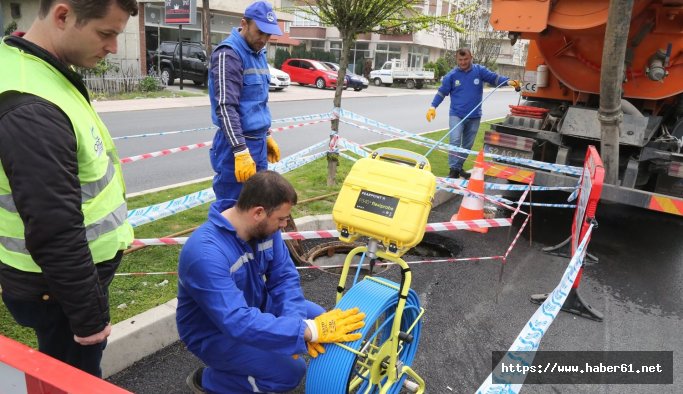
181, 12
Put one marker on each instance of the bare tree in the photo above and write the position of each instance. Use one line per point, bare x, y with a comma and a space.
356, 17
478, 34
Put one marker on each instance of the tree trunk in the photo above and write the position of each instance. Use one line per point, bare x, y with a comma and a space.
333, 157
206, 26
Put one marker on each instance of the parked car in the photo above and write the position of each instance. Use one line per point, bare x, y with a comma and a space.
278, 79
354, 81
310, 72
195, 62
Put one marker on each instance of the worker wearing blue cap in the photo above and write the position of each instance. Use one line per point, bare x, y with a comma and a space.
238, 90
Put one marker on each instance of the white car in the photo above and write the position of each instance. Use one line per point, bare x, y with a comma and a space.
278, 79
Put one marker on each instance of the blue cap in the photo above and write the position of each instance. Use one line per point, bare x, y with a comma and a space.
262, 13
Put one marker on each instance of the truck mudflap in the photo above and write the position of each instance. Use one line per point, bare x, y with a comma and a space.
613, 193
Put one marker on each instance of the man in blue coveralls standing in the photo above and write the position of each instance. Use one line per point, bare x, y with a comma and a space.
238, 90
465, 84
241, 309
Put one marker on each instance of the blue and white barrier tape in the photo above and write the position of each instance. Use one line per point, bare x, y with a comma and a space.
531, 163
140, 216
126, 137
530, 337
293, 163
324, 116
348, 157
353, 147
137, 217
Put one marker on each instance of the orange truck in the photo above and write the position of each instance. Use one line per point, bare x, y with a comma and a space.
574, 68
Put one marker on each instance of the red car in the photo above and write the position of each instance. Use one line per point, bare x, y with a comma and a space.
310, 72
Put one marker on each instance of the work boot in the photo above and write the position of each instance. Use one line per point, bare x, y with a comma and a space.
464, 175
194, 381
453, 173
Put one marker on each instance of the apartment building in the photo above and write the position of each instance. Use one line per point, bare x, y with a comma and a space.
416, 49
144, 32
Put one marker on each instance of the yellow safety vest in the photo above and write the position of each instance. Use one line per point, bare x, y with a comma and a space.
99, 171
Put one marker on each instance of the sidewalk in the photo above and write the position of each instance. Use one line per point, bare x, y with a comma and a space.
292, 93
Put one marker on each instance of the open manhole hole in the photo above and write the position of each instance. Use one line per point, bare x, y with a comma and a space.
330, 256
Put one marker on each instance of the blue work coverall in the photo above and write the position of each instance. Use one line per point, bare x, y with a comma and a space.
238, 91
241, 309
466, 89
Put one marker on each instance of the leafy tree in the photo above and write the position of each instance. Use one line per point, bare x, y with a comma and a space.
479, 36
281, 55
11, 27
356, 17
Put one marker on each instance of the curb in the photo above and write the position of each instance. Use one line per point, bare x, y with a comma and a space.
142, 335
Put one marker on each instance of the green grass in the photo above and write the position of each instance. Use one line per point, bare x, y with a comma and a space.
140, 95
130, 296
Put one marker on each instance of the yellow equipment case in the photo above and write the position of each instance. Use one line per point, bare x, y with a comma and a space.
387, 196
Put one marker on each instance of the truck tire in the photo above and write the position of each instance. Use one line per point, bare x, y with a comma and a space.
320, 83
377, 82
410, 84
167, 76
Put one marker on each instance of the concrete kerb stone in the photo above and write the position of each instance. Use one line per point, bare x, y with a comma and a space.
148, 332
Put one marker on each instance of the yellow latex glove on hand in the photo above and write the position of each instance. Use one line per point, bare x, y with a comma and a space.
431, 114
273, 150
515, 84
315, 349
335, 326
244, 166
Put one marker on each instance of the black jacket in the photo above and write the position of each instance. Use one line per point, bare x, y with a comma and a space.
38, 155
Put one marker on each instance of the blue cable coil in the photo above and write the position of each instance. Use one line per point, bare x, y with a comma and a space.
330, 373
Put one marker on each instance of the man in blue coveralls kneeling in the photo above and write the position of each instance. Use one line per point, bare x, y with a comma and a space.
241, 309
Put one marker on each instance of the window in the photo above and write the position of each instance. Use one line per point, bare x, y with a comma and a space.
418, 56
317, 45
335, 49
15, 10
386, 52
303, 19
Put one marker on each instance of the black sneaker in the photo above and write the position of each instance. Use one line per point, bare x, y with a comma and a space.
464, 175
453, 173
194, 381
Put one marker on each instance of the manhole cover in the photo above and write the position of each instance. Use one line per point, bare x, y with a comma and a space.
330, 256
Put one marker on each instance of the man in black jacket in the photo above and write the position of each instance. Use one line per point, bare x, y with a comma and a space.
62, 206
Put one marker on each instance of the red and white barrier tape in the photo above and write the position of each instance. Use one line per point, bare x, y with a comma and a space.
295, 126
301, 235
165, 152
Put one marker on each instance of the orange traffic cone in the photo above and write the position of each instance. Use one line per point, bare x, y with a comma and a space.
472, 208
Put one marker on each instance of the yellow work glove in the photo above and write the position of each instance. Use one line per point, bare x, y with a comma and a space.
431, 114
315, 349
244, 165
273, 150
515, 84
336, 325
